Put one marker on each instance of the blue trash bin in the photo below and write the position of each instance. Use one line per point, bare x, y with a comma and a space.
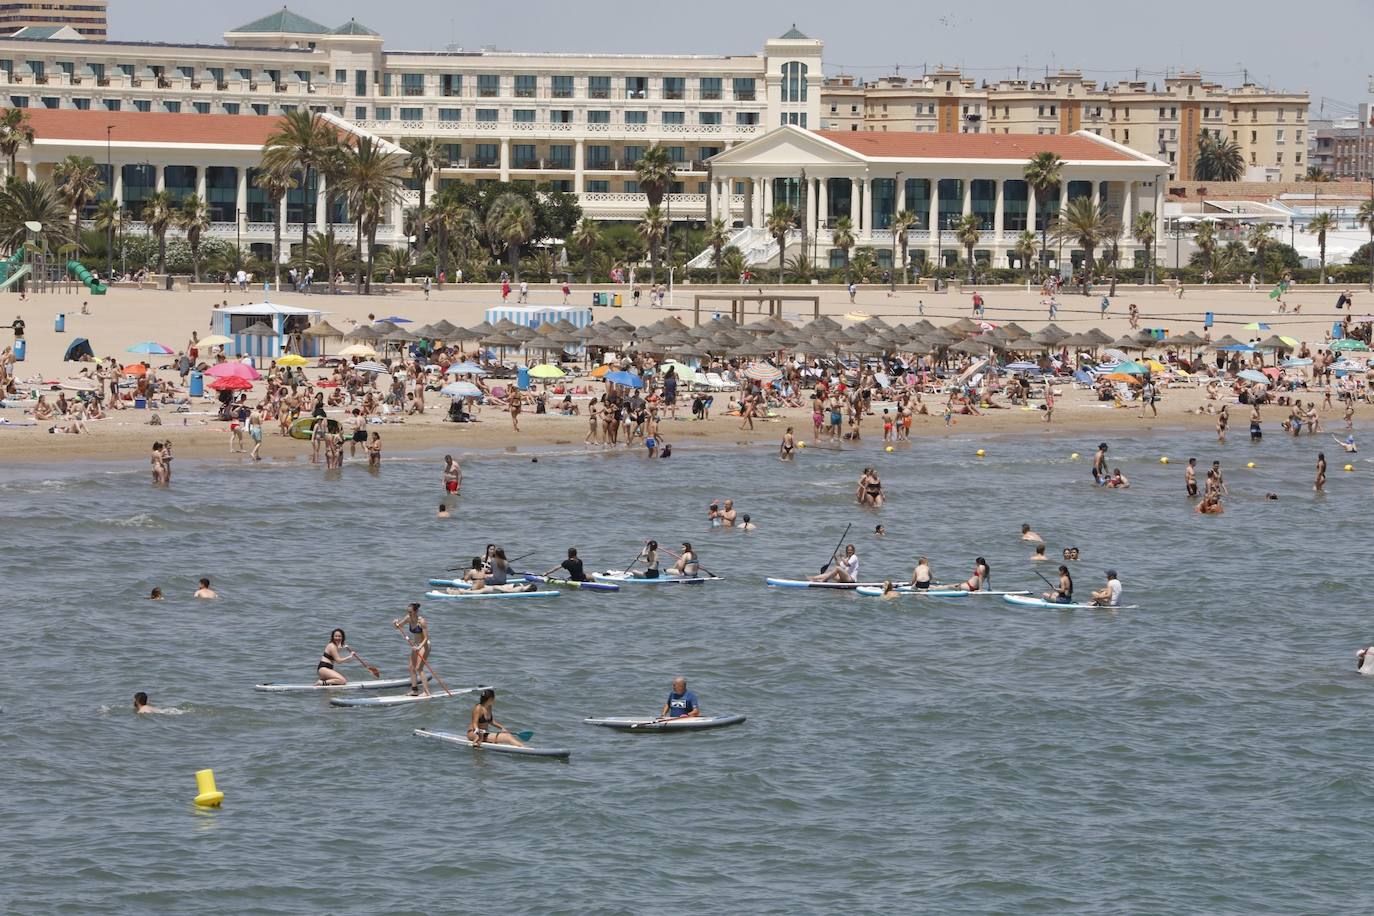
1208, 320
60, 324
197, 385
21, 347
522, 378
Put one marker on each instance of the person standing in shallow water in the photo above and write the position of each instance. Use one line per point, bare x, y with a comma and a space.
1319, 483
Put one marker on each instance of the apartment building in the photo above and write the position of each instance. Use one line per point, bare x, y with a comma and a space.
577, 121
86, 18
1344, 149
1164, 121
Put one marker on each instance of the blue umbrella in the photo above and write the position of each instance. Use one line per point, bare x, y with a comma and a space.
150, 347
395, 319
1237, 348
1022, 367
1250, 375
461, 390
628, 379
1131, 367
1295, 363
466, 369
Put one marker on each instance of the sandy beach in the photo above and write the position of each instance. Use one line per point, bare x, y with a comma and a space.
127, 316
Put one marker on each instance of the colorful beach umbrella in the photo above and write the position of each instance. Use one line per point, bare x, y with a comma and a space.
763, 372
601, 370
628, 379
151, 348
468, 368
136, 369
233, 370
292, 359
1349, 343
1250, 375
461, 390
547, 370
215, 340
1131, 367
1256, 326
373, 367
231, 383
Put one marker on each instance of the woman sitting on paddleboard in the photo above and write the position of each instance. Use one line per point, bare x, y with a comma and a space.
483, 727
844, 569
981, 580
332, 655
416, 633
650, 562
687, 563
1064, 593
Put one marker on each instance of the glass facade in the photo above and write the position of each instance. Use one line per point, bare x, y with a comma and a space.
951, 204
1015, 205
180, 180
918, 201
793, 81
838, 193
984, 203
140, 182
221, 192
884, 192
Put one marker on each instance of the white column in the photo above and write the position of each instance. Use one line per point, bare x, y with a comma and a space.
161, 177
823, 193
968, 196
867, 186
284, 256
767, 199
241, 199
118, 194
1097, 195
200, 182
997, 214
505, 159
321, 198
1063, 195
934, 218
757, 203
1030, 207
579, 167
1127, 207
809, 217
855, 203
726, 201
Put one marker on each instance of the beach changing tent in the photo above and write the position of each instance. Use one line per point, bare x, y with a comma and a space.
79, 349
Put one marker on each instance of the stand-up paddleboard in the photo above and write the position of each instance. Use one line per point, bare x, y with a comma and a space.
555, 752
401, 699
1027, 601
870, 592
651, 724
569, 583
386, 683
304, 427
807, 583
470, 595
620, 577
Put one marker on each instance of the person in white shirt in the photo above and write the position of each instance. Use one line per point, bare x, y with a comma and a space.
843, 569
1109, 595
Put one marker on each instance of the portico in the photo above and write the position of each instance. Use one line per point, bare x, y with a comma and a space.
937, 179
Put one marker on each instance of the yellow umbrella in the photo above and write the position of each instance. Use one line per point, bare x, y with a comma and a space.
1154, 364
1290, 341
546, 370
357, 349
216, 340
292, 359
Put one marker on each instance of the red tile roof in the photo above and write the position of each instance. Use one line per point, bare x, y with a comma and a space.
885, 145
151, 127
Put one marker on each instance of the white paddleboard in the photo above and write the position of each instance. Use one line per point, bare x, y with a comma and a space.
620, 577
386, 683
651, 724
555, 752
402, 699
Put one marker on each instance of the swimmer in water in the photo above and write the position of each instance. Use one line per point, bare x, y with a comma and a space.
1118, 480
1039, 555
443, 512
889, 591
205, 591
156, 594
1028, 535
142, 707
1348, 444
745, 524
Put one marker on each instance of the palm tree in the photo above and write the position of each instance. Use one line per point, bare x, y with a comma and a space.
510, 221
78, 180
324, 249
654, 172
1111, 248
778, 224
1258, 238
453, 222
863, 264
1205, 238
1218, 159
424, 156
1085, 224
1025, 250
1144, 231
395, 259
586, 236
32, 201
902, 221
842, 237
1319, 226
108, 215
652, 227
1043, 173
159, 215
1316, 173
732, 259
967, 231
299, 144
194, 218
372, 180
717, 235
15, 133
275, 183
1365, 217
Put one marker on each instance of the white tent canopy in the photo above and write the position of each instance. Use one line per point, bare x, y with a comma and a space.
267, 308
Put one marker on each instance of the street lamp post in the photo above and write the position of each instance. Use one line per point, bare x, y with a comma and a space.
109, 229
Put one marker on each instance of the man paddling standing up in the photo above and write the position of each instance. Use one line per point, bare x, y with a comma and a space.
681, 703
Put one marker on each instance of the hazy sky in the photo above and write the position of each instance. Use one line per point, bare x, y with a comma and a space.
1316, 48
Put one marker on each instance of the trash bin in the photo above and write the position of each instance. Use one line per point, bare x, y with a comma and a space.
170, 282
1208, 320
616, 302
197, 384
522, 378
21, 347
598, 298
60, 323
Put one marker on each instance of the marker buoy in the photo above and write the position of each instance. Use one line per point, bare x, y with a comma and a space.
1073, 457
1163, 459
1250, 464
209, 796
1350, 467
888, 449
979, 453
801, 445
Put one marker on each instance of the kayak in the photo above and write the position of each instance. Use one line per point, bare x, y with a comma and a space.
1024, 600
568, 583
621, 577
651, 724
806, 583
451, 738
471, 595
400, 699
388, 683
869, 591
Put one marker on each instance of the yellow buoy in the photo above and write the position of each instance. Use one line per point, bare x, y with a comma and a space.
1250, 464
208, 795
801, 445
980, 453
888, 449
1163, 459
1350, 467
1073, 457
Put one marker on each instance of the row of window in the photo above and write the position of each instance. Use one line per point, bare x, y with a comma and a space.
38, 71
561, 156
528, 86
556, 116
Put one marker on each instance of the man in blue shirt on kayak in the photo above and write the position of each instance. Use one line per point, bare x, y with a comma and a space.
682, 703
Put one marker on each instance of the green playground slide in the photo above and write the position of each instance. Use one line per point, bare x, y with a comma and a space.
15, 276
78, 270
11, 264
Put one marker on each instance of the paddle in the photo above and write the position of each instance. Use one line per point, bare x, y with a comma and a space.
836, 552
522, 736
700, 565
424, 661
637, 556
376, 672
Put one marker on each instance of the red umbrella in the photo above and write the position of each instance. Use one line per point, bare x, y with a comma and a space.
136, 369
231, 383
233, 370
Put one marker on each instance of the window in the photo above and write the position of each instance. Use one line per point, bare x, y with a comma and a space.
451, 84
412, 84
744, 88
633, 154
488, 85
340, 76
631, 187
562, 87
710, 88
636, 117
1278, 158
522, 156
386, 84
598, 186
360, 113
1254, 136
173, 107
202, 107
709, 117
452, 153
674, 87
486, 115
51, 101
598, 117
794, 81
39, 72
523, 116
383, 114
636, 87
229, 108
561, 116
488, 154
82, 104
561, 156
110, 104
450, 114
706, 152
561, 184
677, 153
672, 117
143, 105
1278, 135
525, 86
598, 157
598, 87
359, 82
746, 118
260, 110
412, 114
